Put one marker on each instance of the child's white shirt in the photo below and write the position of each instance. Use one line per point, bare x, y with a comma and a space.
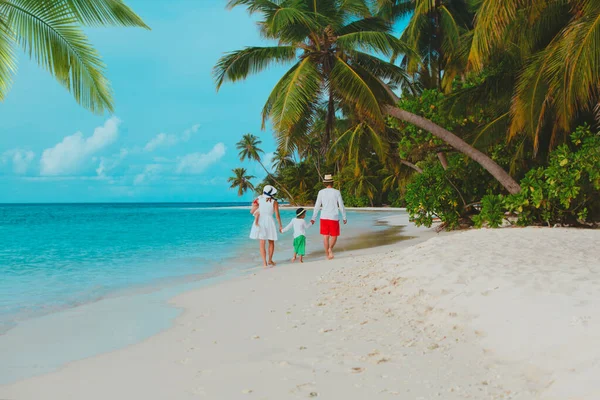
300, 226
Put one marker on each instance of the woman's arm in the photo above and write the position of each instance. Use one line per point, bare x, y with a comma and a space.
276, 207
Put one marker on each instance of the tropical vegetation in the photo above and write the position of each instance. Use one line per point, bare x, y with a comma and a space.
51, 33
445, 117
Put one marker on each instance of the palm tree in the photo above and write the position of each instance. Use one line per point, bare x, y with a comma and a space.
241, 181
364, 184
360, 143
435, 31
331, 44
558, 83
250, 150
51, 33
281, 159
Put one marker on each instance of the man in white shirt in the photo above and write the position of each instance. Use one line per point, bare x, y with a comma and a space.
330, 203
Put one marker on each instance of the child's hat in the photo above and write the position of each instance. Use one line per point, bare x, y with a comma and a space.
300, 211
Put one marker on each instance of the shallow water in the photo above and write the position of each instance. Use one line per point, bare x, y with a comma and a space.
79, 280
54, 257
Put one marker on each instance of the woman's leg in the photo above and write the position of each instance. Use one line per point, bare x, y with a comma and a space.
263, 252
271, 251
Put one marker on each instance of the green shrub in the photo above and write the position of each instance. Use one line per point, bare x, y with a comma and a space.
566, 191
430, 195
448, 194
492, 211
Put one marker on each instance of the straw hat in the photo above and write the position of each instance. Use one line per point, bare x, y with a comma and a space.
328, 178
269, 190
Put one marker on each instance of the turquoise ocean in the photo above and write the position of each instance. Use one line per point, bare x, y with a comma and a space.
58, 256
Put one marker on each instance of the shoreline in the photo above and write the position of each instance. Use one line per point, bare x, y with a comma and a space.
150, 302
481, 314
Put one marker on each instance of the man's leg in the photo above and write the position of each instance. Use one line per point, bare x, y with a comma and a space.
326, 244
332, 242
335, 232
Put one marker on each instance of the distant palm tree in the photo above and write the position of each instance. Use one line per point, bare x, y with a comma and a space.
51, 33
435, 30
331, 45
281, 159
241, 181
250, 150
364, 184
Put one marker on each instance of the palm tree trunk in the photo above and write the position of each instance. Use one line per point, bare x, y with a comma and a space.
278, 184
411, 165
448, 137
443, 160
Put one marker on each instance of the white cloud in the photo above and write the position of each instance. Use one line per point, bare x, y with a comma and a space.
19, 158
168, 140
109, 163
68, 156
196, 163
150, 172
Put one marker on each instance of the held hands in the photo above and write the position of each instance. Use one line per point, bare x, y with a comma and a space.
345, 221
312, 221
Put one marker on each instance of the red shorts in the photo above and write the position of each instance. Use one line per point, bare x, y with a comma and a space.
330, 227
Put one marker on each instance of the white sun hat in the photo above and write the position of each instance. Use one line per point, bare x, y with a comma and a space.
269, 190
328, 178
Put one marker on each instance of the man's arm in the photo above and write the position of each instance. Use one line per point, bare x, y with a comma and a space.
318, 205
341, 206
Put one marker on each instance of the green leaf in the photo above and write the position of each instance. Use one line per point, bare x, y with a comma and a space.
50, 34
237, 65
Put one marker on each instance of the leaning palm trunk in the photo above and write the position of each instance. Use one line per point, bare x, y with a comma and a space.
443, 160
490, 165
278, 184
411, 165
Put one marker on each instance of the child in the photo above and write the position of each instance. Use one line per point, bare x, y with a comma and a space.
255, 213
300, 226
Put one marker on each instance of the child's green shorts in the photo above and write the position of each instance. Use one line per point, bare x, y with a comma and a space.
300, 245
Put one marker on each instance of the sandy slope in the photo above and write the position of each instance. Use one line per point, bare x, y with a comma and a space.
489, 314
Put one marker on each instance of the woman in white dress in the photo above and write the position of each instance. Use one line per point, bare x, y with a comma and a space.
264, 229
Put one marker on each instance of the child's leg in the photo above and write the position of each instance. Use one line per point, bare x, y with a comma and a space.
301, 260
256, 217
294, 258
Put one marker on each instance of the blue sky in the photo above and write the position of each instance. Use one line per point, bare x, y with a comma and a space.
172, 136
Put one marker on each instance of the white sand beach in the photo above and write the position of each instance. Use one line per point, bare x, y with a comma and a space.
481, 314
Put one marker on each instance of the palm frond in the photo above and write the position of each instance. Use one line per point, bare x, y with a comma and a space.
492, 21
380, 42
394, 9
384, 70
531, 100
581, 61
105, 13
371, 24
8, 60
237, 65
355, 89
451, 29
254, 6
49, 33
296, 92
